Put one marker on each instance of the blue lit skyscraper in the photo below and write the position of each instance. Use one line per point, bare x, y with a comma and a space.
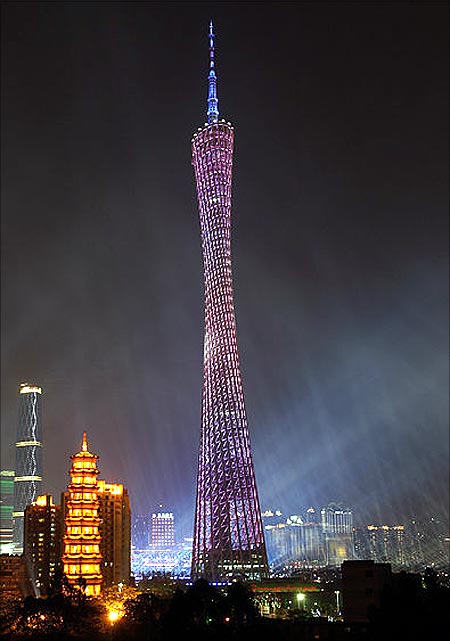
28, 478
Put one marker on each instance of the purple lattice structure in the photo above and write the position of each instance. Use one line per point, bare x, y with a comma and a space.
228, 534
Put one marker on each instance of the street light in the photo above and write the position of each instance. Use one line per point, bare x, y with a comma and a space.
338, 605
113, 615
301, 600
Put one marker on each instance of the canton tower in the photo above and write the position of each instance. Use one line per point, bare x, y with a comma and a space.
228, 533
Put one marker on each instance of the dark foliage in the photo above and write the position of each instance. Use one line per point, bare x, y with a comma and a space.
412, 609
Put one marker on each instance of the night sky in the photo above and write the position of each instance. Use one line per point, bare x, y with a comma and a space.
340, 244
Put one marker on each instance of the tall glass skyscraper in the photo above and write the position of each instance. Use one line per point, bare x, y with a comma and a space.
228, 533
6, 510
28, 478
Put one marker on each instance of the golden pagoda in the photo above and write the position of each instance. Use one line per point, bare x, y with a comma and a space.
82, 557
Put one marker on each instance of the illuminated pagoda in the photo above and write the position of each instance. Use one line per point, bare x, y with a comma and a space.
82, 557
228, 533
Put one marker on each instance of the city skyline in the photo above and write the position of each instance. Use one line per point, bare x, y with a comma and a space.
340, 213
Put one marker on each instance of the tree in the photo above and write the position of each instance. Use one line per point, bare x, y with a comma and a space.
240, 604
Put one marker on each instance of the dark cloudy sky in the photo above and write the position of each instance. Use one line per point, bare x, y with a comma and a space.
340, 243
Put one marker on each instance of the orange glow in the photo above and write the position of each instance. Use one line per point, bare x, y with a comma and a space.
82, 556
42, 500
29, 389
114, 615
111, 488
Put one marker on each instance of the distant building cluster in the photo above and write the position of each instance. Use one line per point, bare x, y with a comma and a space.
326, 537
313, 538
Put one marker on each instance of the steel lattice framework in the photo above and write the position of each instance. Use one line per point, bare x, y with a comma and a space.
228, 533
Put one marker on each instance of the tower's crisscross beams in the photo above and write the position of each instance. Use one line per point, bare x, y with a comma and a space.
228, 534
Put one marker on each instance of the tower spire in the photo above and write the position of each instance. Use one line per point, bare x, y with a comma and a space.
213, 102
84, 444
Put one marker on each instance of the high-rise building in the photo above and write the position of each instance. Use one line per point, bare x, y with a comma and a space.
302, 540
228, 533
42, 543
336, 519
82, 557
363, 584
381, 543
337, 527
293, 543
28, 479
6, 511
140, 532
163, 530
115, 533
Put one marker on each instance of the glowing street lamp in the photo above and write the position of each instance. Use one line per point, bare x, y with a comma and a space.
338, 605
113, 616
301, 600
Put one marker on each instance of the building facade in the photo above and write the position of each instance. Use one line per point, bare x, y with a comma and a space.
28, 478
42, 543
309, 539
6, 511
337, 527
82, 558
228, 533
14, 581
363, 583
382, 543
115, 533
163, 530
140, 532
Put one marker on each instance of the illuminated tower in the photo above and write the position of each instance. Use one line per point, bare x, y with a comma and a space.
28, 478
82, 557
228, 533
